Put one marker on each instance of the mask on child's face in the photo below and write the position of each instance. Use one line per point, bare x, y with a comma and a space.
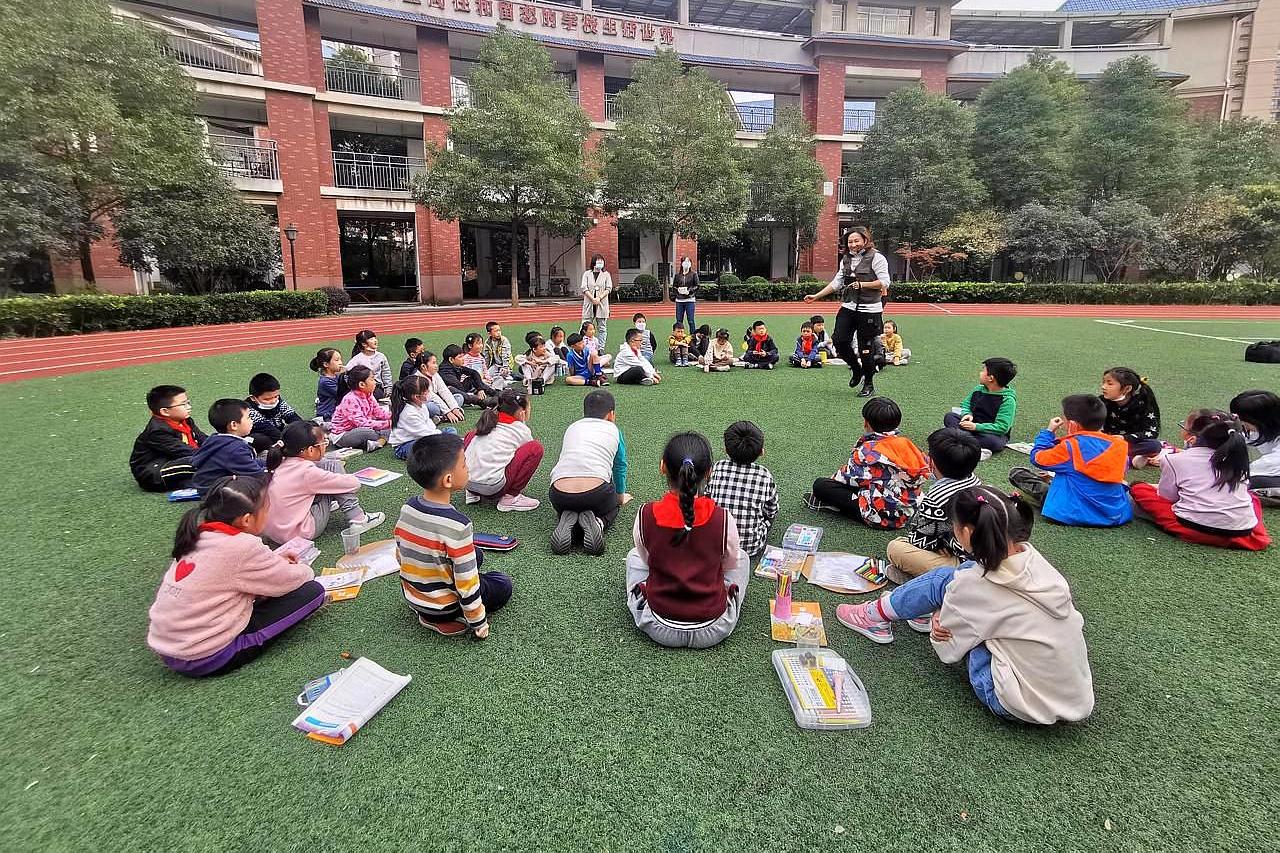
640, 324
269, 407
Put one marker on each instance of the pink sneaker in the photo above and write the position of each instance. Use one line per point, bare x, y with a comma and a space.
517, 503
921, 624
858, 617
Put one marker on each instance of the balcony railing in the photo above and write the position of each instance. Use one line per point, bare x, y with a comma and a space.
612, 109
374, 171
205, 50
858, 121
752, 119
849, 196
244, 157
461, 92
357, 78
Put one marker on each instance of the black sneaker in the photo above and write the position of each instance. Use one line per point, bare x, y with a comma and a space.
854, 379
562, 536
867, 390
592, 533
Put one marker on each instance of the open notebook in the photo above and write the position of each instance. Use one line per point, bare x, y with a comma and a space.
355, 695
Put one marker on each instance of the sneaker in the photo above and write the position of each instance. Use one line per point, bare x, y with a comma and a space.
854, 379
770, 366
921, 624
856, 618
867, 390
984, 455
473, 498
812, 502
371, 520
648, 380
562, 536
371, 446
333, 506
517, 503
592, 533
444, 629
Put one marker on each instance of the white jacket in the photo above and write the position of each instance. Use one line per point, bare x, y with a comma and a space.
415, 422
628, 358
602, 286
1023, 611
440, 394
489, 455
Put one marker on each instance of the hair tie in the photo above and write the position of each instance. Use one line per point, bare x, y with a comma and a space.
1142, 379
1017, 496
982, 498
688, 460
1231, 431
688, 527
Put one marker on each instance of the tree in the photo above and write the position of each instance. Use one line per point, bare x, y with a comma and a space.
94, 114
1133, 140
916, 167
172, 229
1024, 124
787, 180
671, 166
1234, 153
1040, 237
1126, 234
517, 151
979, 234
1258, 224
1203, 237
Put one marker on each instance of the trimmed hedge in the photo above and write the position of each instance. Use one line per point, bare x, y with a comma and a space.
1140, 293
72, 315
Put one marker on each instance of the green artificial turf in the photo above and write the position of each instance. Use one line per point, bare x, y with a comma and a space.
567, 729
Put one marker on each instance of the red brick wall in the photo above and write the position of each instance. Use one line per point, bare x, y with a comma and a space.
602, 239
685, 247
820, 259
591, 84
1205, 106
830, 96
809, 99
433, 67
439, 245
286, 55
110, 276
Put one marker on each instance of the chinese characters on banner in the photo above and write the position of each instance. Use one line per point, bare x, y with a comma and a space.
550, 19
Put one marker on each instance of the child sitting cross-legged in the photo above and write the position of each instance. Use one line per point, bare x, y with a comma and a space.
161, 457
1008, 614
229, 451
761, 351
589, 481
631, 367
719, 355
226, 595
443, 402
269, 411
439, 562
538, 364
989, 409
930, 541
461, 379
882, 480
699, 345
582, 365
807, 352
1132, 413
744, 487
502, 454
687, 574
894, 352
1081, 482
594, 344
411, 414
304, 484
359, 420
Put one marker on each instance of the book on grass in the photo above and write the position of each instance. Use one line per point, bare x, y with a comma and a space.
775, 559
1020, 446
341, 584
303, 550
851, 574
785, 631
372, 476
377, 559
494, 541
802, 537
354, 696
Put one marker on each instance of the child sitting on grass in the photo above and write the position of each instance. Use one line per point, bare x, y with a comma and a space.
1008, 614
989, 409
882, 480
593, 344
412, 348
502, 454
700, 344
678, 346
582, 365
269, 411
497, 356
894, 352
226, 595
473, 353
364, 353
304, 484
1132, 413
719, 356
744, 487
687, 574
631, 367
1084, 480
589, 481
331, 386
359, 421
461, 379
1259, 414
1202, 496
762, 352
538, 364
228, 452
439, 562
411, 415
161, 457
555, 341
820, 335
807, 352
930, 541
444, 403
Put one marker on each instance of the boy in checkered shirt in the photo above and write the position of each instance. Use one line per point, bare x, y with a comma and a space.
744, 487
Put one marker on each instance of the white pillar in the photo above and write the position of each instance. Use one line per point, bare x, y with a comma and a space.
682, 12
1064, 34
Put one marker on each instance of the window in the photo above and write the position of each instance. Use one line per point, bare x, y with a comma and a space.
884, 20
931, 22
837, 17
628, 249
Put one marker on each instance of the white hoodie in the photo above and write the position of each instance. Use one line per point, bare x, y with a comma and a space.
1023, 611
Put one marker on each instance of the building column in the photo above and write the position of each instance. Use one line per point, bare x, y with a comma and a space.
602, 237
1064, 34
821, 258
1166, 31
438, 242
682, 12
684, 247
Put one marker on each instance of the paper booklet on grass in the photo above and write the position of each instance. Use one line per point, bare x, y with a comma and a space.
775, 558
355, 695
341, 584
304, 550
837, 571
785, 632
376, 558
372, 476
343, 453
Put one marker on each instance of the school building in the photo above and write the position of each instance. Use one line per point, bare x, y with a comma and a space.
318, 110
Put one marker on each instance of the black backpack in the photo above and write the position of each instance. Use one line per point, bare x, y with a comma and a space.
1263, 352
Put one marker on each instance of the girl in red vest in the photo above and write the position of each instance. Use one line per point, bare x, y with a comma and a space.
687, 574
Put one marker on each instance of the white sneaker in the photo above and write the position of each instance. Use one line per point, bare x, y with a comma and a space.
371, 446
984, 455
517, 503
473, 498
371, 520
1139, 462
646, 381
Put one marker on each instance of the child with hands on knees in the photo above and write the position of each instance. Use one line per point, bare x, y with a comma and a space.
502, 454
304, 484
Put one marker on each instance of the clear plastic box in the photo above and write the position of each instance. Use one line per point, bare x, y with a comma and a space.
812, 680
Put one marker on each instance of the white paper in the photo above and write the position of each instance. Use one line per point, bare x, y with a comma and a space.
837, 569
360, 691
303, 549
343, 579
378, 560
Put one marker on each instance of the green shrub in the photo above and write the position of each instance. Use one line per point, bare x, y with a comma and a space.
757, 279
808, 277
338, 298
80, 313
644, 288
728, 279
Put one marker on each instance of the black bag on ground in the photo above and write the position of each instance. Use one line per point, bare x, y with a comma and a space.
1263, 352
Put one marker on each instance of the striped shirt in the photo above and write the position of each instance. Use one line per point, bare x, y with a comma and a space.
439, 563
930, 527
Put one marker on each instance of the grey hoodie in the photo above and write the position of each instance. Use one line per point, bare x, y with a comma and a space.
1023, 611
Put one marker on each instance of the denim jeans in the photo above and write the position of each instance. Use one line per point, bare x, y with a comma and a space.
685, 310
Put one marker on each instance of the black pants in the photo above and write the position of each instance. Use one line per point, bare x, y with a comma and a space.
630, 376
760, 359
167, 475
602, 500
993, 441
838, 496
865, 326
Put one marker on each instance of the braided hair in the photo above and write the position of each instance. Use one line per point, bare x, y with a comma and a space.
687, 459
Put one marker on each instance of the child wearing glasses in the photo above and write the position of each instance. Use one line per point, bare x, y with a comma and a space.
161, 458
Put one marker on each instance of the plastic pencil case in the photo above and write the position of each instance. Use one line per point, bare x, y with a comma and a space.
854, 708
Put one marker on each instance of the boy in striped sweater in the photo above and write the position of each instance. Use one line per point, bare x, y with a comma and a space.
439, 563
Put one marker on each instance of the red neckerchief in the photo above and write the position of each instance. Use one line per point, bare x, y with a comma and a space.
219, 527
806, 346
759, 339
504, 418
667, 511
183, 427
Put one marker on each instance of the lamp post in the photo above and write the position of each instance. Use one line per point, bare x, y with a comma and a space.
291, 232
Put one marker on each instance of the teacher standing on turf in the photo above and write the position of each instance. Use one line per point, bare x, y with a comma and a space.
862, 282
685, 287
596, 286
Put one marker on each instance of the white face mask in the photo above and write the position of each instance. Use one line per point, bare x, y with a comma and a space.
599, 265
269, 407
684, 265
640, 324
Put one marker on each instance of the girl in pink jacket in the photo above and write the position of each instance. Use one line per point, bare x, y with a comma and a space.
359, 420
303, 484
226, 595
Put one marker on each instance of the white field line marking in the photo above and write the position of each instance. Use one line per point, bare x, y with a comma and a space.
1229, 322
1129, 324
940, 308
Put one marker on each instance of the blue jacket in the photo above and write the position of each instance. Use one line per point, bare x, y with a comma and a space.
1088, 489
221, 455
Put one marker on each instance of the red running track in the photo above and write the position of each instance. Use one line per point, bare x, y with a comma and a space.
32, 358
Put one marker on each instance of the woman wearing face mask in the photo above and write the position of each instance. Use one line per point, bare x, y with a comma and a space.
596, 286
686, 290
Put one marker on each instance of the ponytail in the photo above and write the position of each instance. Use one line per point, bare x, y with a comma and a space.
404, 391
1223, 434
1261, 410
687, 458
297, 437
991, 514
362, 337
227, 500
1129, 378
322, 358
509, 402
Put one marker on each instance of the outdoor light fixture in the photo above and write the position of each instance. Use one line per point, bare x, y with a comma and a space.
291, 232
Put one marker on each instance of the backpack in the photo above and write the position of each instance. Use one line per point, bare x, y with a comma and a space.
1263, 352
